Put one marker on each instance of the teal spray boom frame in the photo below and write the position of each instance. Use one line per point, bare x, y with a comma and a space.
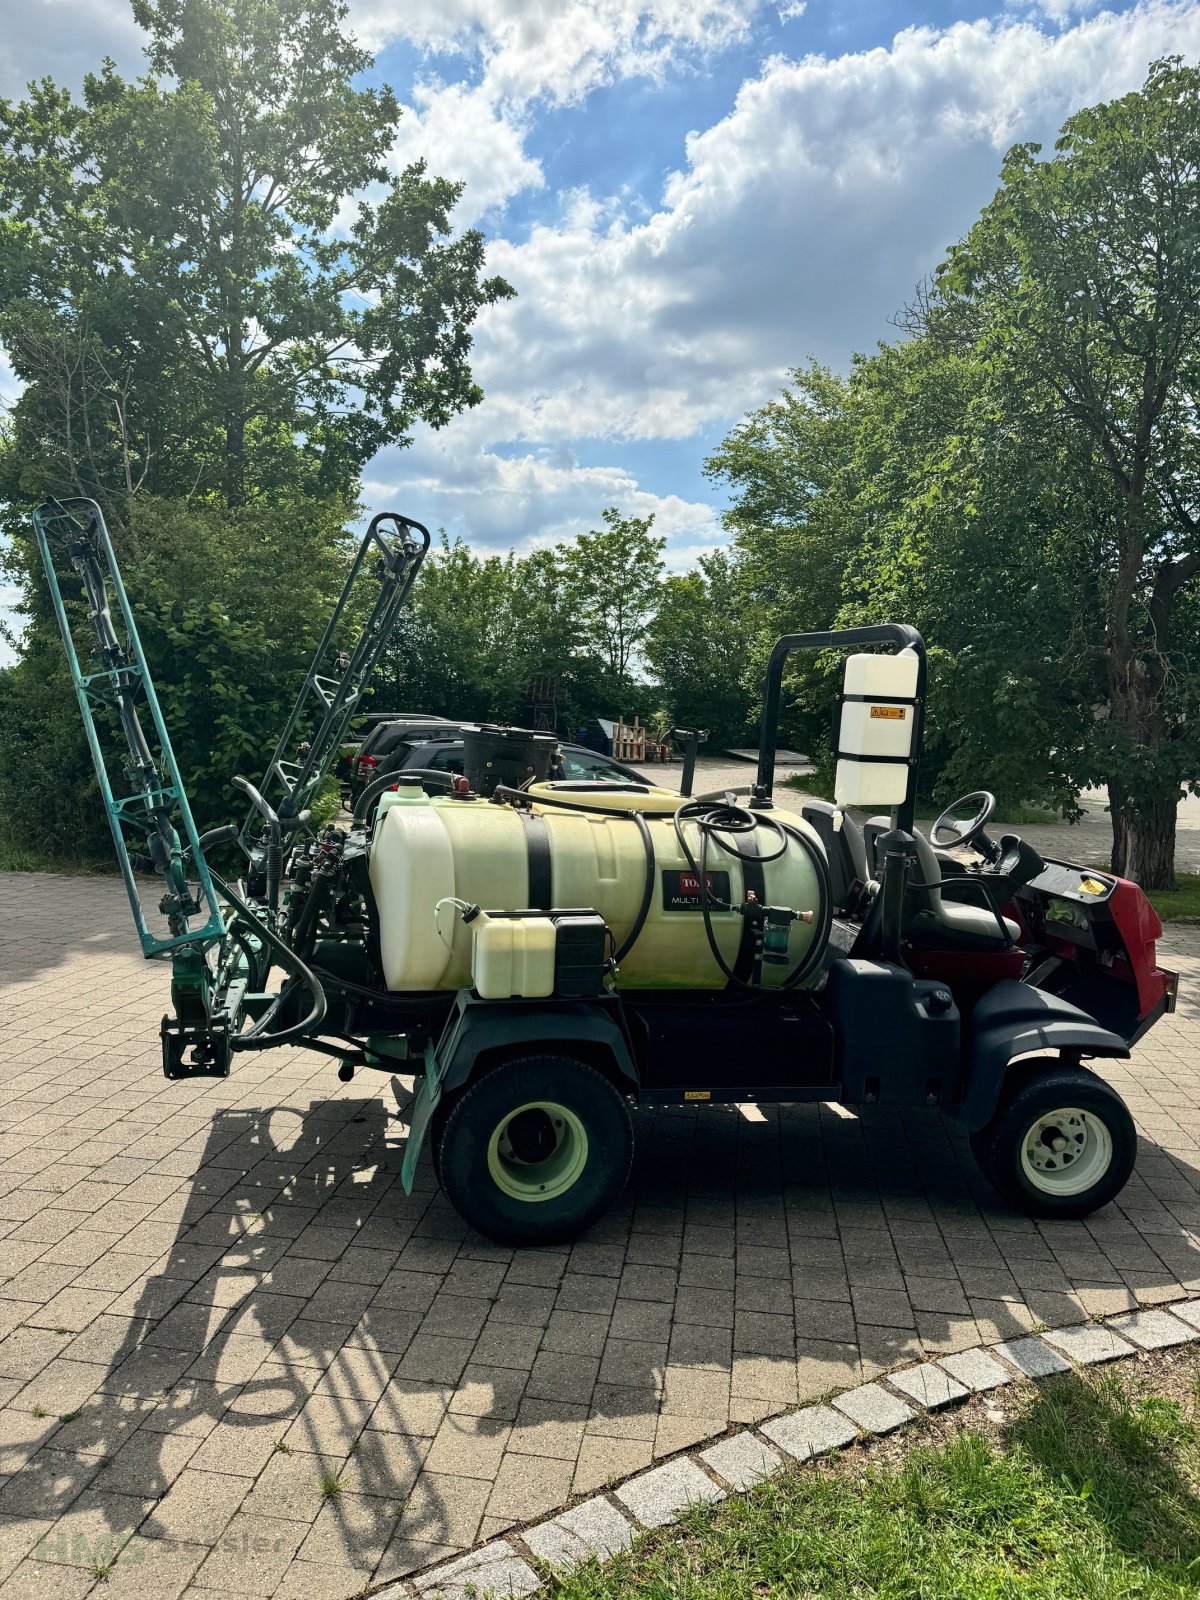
220, 946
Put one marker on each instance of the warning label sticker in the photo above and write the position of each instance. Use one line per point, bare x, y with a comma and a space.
889, 713
681, 890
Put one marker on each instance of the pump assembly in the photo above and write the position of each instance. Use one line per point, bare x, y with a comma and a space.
543, 955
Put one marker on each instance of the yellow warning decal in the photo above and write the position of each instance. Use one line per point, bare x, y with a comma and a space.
1091, 886
697, 1094
889, 713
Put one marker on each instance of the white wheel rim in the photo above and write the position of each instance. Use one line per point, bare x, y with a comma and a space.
1066, 1151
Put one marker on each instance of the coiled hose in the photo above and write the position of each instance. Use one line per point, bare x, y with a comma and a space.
258, 1037
715, 815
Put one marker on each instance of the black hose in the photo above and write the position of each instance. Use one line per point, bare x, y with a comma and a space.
647, 893
257, 1038
391, 780
504, 791
714, 815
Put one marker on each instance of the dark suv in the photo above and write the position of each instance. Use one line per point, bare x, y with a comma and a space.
434, 744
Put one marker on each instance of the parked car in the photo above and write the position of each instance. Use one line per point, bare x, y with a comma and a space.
440, 749
367, 730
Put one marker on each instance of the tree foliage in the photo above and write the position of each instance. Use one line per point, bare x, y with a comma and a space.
611, 579
1019, 478
221, 302
696, 648
191, 289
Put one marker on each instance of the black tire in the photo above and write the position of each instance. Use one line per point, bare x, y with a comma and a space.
481, 1144
1006, 1150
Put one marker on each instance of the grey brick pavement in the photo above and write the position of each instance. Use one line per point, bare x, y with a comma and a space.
224, 1329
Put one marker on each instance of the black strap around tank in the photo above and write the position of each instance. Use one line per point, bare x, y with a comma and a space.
537, 845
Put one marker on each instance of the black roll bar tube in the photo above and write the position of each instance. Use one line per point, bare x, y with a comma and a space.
897, 633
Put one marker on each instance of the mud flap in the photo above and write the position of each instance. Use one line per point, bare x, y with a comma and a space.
425, 1103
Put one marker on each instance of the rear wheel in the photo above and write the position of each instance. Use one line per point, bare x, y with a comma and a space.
535, 1150
1061, 1145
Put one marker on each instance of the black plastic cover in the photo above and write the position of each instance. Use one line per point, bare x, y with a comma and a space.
580, 951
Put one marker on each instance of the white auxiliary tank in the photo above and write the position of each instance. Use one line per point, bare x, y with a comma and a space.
878, 729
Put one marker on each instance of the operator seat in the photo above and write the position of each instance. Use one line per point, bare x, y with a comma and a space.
844, 851
973, 925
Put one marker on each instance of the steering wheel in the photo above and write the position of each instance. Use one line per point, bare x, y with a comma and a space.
950, 831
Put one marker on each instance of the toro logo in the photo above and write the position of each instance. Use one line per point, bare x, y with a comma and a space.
681, 891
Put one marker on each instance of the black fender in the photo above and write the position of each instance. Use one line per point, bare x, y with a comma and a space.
1012, 1020
479, 1029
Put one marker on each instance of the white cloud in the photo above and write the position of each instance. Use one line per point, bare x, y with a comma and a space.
465, 135
557, 50
65, 39
799, 224
519, 53
453, 480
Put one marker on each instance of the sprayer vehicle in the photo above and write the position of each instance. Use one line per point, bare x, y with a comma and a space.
540, 955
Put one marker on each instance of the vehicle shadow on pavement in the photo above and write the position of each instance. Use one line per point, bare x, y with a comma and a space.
268, 1390
324, 1381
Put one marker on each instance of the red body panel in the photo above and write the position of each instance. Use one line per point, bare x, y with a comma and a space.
1138, 925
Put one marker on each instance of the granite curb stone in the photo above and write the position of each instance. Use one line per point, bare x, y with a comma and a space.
874, 1409
928, 1385
976, 1369
658, 1496
1089, 1344
496, 1570
810, 1432
1032, 1357
595, 1528
1154, 1330
742, 1460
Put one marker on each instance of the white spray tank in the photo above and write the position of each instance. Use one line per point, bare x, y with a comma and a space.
426, 852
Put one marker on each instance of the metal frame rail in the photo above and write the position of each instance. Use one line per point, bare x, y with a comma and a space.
121, 683
337, 680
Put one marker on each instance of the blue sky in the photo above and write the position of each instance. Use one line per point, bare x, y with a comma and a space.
691, 196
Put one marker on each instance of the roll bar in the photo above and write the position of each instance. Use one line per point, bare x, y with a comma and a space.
897, 633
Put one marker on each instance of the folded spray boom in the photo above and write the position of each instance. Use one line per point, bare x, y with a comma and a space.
220, 942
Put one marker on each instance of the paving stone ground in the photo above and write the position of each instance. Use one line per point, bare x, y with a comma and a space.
224, 1328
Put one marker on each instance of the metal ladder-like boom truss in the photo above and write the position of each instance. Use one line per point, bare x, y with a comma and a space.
219, 952
338, 677
151, 793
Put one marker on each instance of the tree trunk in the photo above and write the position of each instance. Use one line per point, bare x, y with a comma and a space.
1144, 838
235, 458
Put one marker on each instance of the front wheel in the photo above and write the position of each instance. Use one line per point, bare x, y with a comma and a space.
1062, 1145
535, 1150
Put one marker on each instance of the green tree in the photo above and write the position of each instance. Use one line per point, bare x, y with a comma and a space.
696, 645
612, 580
794, 518
191, 288
1082, 278
1020, 478
227, 652
215, 330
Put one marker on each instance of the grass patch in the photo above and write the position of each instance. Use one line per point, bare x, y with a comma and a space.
1090, 1492
331, 1486
1181, 901
18, 856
